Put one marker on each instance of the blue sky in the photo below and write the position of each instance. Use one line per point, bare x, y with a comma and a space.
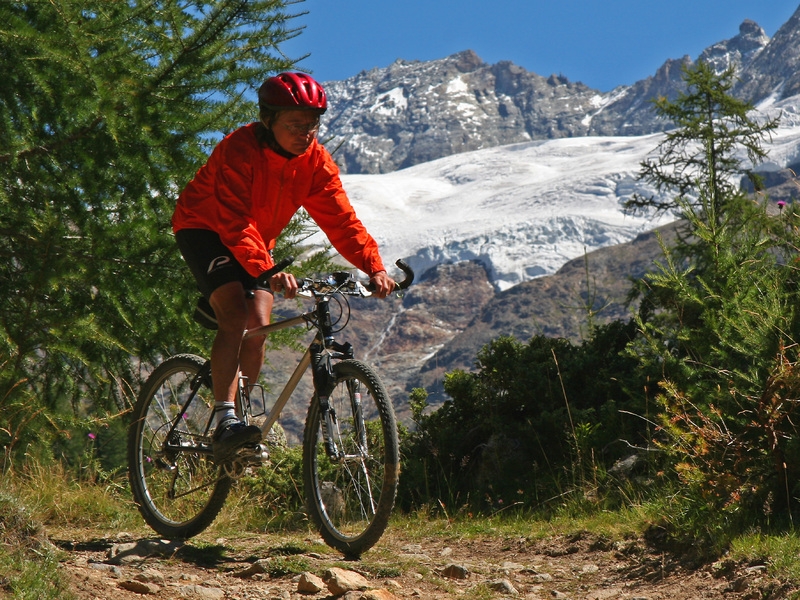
603, 43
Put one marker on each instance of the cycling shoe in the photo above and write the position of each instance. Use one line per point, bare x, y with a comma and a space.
231, 435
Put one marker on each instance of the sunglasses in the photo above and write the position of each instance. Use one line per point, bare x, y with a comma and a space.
301, 128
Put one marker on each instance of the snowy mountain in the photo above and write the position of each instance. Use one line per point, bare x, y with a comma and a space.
521, 210
498, 238
774, 71
481, 227
504, 190
413, 112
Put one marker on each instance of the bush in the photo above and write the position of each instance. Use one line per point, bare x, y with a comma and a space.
536, 421
273, 495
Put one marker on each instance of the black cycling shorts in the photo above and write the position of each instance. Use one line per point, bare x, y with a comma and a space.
211, 262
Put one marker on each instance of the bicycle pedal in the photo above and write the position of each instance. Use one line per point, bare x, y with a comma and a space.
252, 455
246, 456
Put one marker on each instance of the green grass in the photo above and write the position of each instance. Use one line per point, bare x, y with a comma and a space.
24, 576
779, 553
28, 563
36, 500
58, 499
619, 524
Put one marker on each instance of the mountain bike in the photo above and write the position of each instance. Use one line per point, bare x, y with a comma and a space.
350, 445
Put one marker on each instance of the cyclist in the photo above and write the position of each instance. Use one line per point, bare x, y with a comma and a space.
228, 217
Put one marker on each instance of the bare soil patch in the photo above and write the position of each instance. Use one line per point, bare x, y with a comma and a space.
580, 566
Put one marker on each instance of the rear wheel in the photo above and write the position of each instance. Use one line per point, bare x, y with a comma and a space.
176, 485
350, 496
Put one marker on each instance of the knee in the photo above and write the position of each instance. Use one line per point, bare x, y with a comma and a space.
254, 344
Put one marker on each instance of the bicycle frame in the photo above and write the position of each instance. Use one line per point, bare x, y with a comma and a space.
323, 340
318, 354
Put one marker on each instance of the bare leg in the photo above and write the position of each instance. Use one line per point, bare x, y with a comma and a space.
235, 313
251, 354
230, 307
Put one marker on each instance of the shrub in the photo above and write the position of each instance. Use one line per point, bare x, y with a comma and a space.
535, 421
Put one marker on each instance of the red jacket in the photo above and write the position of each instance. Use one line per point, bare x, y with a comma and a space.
247, 193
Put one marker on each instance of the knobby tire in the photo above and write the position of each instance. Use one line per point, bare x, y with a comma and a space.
350, 499
177, 487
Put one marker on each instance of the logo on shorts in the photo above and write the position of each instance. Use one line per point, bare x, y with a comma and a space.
218, 263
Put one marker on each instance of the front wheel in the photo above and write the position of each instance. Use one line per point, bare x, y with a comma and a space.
350, 494
175, 483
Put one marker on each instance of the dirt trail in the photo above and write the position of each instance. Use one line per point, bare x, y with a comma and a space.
267, 567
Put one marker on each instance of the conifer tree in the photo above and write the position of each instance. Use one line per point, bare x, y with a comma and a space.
718, 318
106, 111
701, 151
723, 228
701, 159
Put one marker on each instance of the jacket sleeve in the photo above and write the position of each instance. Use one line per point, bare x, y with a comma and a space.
330, 208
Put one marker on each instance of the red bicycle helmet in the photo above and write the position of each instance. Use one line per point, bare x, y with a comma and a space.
292, 90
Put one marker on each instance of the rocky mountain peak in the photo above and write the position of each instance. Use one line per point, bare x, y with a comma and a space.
739, 51
412, 112
467, 61
775, 71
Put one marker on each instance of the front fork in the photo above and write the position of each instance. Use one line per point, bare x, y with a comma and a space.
323, 351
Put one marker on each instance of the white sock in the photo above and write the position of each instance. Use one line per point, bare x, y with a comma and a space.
224, 410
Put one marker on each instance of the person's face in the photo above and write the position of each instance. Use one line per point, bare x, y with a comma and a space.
294, 130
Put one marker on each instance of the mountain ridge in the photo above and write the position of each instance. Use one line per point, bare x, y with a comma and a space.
412, 112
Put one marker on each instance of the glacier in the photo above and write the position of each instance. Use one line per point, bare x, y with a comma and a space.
524, 209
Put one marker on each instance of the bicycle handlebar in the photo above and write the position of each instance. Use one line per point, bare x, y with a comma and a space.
263, 279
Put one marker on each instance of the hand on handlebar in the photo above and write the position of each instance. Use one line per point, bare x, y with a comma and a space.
284, 282
383, 284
